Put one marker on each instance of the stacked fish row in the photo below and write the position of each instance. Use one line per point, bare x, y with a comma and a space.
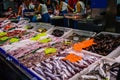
103, 70
56, 68
28, 35
39, 55
23, 47
24, 50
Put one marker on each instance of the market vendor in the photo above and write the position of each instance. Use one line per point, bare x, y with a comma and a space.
26, 6
79, 8
64, 10
42, 9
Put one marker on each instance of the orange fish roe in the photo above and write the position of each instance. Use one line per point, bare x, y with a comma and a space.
73, 58
80, 45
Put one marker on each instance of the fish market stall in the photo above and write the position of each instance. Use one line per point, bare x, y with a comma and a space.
57, 53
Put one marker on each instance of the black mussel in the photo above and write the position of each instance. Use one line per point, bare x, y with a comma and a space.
105, 43
57, 33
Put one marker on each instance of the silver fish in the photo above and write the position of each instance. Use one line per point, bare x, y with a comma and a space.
39, 71
68, 67
53, 77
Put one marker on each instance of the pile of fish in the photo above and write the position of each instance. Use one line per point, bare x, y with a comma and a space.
39, 55
20, 51
56, 68
104, 44
102, 71
28, 35
16, 33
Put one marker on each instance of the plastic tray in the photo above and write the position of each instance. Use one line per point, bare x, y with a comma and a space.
41, 25
92, 66
80, 32
66, 30
76, 75
115, 52
33, 74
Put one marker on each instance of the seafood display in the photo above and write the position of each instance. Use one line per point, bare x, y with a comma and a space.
41, 40
28, 35
9, 26
104, 44
77, 38
57, 33
41, 30
15, 33
58, 53
29, 27
41, 27
103, 70
21, 50
15, 36
59, 67
42, 54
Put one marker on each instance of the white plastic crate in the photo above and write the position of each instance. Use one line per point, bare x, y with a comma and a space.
81, 33
76, 75
92, 66
116, 52
66, 30
36, 26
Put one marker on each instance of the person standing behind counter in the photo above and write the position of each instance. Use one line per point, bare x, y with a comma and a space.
26, 7
64, 7
64, 10
42, 9
80, 7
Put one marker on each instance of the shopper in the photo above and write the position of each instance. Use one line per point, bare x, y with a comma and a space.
64, 10
26, 6
42, 9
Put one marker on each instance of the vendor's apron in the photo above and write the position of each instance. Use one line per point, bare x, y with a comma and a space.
75, 22
65, 19
45, 17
